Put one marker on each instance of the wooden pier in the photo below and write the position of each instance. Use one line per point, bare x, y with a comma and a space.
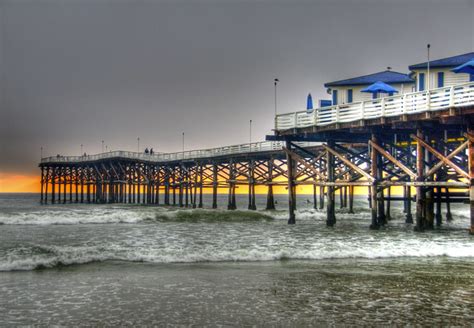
421, 143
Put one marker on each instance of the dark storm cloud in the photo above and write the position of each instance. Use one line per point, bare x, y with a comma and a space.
78, 72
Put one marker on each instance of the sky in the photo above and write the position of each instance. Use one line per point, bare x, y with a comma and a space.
78, 72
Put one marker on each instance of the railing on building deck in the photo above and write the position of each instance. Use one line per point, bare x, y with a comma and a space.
167, 157
408, 103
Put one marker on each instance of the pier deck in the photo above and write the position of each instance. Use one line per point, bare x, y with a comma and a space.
421, 142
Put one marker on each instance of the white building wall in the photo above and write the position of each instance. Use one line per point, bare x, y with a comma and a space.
450, 78
357, 95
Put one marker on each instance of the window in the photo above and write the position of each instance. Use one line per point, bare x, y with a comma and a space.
440, 79
374, 95
334, 97
421, 82
471, 77
349, 95
390, 94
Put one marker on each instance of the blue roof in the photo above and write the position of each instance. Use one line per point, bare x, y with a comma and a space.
445, 62
385, 76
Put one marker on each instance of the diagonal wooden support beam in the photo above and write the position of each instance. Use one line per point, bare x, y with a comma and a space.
392, 159
435, 168
302, 161
442, 158
314, 162
349, 163
98, 172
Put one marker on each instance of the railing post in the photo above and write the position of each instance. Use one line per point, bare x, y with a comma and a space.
428, 100
315, 117
337, 114
295, 118
451, 96
362, 110
402, 104
382, 107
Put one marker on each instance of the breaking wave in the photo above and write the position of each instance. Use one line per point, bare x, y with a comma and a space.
41, 257
117, 215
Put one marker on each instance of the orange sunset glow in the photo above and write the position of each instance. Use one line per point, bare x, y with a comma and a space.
18, 182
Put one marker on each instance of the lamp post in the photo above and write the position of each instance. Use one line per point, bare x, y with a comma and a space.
106, 148
41, 152
102, 145
275, 82
428, 84
138, 144
82, 146
250, 131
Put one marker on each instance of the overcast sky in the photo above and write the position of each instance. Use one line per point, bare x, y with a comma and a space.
77, 72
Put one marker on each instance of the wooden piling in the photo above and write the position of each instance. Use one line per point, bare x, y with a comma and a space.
232, 205
381, 217
321, 197
167, 186
351, 199
70, 185
291, 188
64, 174
270, 197
330, 209
59, 175
409, 215
53, 185
252, 204
341, 197
200, 205
174, 186
181, 188
315, 198
88, 192
42, 185
46, 186
420, 195
388, 215
373, 188
76, 184
429, 198
214, 186
438, 215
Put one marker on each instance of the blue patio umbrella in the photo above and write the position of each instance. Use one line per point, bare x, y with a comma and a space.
379, 87
309, 102
465, 68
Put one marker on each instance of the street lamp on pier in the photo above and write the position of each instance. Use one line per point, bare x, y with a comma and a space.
275, 83
250, 131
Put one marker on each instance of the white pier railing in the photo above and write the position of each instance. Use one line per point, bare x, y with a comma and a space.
167, 157
408, 103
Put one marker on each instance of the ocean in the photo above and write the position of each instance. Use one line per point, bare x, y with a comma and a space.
128, 265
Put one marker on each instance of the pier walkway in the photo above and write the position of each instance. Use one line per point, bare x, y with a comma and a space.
421, 143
